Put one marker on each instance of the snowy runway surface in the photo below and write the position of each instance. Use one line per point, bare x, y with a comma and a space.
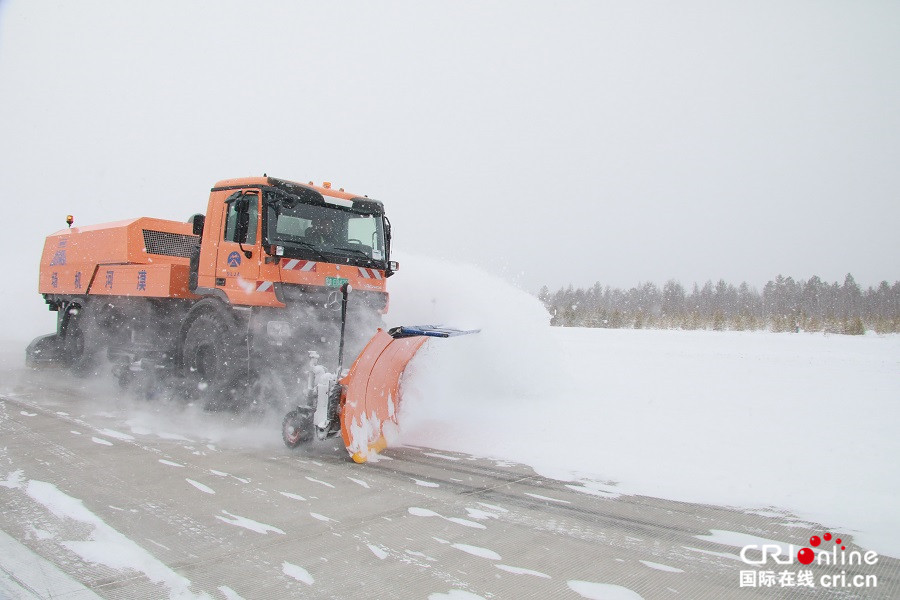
804, 424
174, 502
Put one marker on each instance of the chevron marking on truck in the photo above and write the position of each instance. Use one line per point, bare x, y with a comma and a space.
292, 264
369, 273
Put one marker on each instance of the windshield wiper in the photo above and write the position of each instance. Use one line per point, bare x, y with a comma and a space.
357, 250
311, 247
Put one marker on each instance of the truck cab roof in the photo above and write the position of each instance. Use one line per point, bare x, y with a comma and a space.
306, 191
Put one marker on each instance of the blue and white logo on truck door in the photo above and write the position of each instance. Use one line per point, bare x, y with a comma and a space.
234, 260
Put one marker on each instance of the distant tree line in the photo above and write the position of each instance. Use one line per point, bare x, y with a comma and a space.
783, 305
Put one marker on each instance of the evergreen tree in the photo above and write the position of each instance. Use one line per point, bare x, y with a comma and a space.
783, 305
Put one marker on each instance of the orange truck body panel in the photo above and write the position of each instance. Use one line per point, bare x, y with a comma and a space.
113, 259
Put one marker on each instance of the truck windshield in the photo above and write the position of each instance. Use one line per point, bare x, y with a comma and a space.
330, 230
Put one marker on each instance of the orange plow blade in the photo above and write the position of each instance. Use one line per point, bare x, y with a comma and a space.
372, 387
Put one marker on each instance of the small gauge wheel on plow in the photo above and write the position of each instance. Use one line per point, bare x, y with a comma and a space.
297, 427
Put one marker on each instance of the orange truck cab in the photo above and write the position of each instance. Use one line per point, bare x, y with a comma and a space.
240, 295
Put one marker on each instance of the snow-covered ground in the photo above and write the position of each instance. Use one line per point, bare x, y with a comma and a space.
800, 424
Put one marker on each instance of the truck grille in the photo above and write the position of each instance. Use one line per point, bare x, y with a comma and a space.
170, 244
310, 295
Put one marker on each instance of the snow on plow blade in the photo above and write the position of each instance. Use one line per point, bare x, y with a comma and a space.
369, 412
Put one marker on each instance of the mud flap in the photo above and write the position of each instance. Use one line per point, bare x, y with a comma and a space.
369, 411
44, 350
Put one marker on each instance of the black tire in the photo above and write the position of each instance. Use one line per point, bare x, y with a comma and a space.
80, 344
297, 428
211, 358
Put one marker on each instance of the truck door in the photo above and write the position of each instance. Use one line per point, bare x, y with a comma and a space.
239, 253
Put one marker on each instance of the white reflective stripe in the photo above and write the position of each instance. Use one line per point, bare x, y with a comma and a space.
364, 273
291, 263
309, 266
377, 273
263, 286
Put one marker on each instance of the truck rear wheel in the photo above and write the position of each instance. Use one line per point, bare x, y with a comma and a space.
80, 346
211, 360
73, 337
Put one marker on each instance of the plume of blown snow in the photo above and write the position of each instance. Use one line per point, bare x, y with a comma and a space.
512, 361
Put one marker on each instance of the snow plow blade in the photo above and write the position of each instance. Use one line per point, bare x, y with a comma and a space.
369, 409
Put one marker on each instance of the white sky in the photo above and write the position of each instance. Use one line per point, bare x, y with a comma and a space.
551, 143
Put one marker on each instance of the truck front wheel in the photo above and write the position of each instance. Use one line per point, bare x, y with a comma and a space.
211, 361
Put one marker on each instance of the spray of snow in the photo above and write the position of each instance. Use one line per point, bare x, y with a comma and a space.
514, 355
363, 431
172, 418
390, 429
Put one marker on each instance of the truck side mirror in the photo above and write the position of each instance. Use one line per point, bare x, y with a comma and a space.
392, 267
197, 222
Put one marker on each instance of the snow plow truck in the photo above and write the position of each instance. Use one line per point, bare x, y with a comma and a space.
241, 306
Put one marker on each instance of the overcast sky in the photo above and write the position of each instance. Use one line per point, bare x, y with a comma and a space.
551, 143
